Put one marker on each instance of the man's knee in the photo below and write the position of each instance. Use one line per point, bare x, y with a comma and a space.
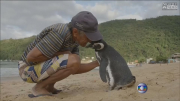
73, 63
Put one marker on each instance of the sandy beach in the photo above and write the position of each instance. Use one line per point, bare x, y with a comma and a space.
163, 85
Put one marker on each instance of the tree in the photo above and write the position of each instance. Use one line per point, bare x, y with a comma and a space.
161, 58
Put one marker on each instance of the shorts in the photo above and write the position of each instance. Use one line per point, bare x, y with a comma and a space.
41, 71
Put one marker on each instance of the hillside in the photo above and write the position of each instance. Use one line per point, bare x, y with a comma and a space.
133, 39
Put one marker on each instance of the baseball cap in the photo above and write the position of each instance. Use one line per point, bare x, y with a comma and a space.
86, 21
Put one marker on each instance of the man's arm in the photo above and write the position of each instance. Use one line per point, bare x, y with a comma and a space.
36, 56
87, 67
47, 47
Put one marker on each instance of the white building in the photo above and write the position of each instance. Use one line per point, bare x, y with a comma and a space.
148, 60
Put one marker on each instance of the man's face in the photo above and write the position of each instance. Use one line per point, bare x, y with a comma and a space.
80, 38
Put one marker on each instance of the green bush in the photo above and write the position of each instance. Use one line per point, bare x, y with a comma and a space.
161, 58
141, 60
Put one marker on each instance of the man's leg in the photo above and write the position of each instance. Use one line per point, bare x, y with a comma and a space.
83, 69
72, 67
50, 88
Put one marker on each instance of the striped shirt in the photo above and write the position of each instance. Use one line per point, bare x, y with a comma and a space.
52, 39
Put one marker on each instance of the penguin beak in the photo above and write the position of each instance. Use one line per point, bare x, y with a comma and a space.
89, 45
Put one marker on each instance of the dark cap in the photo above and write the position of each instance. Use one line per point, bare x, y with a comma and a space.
86, 22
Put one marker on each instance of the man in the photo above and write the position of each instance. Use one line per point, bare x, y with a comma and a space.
53, 55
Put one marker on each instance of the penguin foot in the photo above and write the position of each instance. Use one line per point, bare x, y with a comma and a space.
110, 89
122, 88
119, 88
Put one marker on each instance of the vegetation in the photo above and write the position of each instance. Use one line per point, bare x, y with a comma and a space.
133, 39
161, 58
142, 60
13, 48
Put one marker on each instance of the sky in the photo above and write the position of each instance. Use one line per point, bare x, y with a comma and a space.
20, 19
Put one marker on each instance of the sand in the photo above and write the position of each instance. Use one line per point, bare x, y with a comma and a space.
163, 85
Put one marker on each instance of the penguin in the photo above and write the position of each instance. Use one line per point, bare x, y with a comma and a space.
113, 68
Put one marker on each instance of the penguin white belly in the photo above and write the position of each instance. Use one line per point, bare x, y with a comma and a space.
107, 78
97, 55
111, 78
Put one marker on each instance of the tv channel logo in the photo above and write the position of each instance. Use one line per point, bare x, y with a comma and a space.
142, 88
170, 6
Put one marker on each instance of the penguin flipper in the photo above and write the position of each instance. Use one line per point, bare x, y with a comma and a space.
102, 69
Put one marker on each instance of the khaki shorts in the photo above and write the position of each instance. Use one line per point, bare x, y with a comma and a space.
43, 70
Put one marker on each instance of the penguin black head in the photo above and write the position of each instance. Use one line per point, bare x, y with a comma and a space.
97, 45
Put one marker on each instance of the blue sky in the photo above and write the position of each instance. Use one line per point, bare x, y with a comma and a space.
21, 19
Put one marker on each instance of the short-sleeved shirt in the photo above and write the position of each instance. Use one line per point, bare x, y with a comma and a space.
51, 40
